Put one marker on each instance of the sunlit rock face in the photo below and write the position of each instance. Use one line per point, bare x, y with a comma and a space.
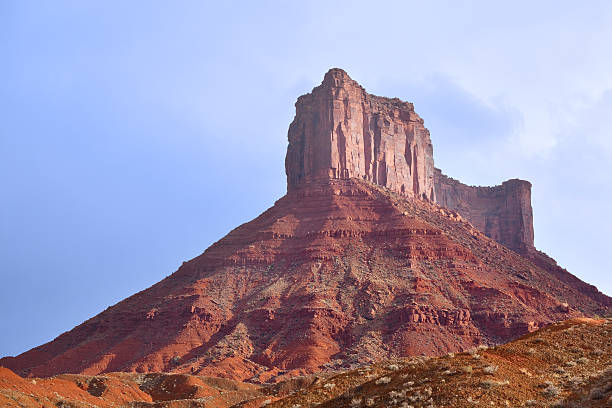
340, 131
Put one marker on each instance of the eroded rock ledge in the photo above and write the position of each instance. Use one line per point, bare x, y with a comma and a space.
502, 212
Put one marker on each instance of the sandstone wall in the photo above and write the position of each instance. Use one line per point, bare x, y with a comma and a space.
341, 131
501, 212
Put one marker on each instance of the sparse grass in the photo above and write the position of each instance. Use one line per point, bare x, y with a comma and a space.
383, 380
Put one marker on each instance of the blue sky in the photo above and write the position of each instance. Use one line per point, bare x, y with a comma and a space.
135, 134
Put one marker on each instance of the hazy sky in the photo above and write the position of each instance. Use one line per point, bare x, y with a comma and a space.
135, 134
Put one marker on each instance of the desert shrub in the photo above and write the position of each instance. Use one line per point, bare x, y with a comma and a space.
383, 380
574, 381
492, 369
492, 383
571, 364
329, 386
467, 369
355, 402
397, 394
582, 360
551, 391
393, 367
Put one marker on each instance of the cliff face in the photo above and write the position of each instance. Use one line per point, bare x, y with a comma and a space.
340, 131
502, 212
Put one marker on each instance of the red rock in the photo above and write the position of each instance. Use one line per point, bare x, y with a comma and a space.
343, 270
341, 131
501, 212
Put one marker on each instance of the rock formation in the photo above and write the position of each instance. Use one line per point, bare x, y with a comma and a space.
501, 212
348, 267
341, 131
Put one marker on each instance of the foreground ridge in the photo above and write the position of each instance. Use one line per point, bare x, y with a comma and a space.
567, 364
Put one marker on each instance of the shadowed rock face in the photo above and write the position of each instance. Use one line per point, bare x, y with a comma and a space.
341, 131
501, 212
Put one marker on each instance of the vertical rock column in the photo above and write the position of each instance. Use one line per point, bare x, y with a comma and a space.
341, 131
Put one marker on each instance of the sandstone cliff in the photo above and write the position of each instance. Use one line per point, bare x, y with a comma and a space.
501, 212
341, 131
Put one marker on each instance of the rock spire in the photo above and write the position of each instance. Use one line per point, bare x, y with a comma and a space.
340, 131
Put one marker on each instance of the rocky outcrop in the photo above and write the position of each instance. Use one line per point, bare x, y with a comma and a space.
501, 212
341, 131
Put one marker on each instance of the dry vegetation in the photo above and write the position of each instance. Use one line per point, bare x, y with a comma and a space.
564, 365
